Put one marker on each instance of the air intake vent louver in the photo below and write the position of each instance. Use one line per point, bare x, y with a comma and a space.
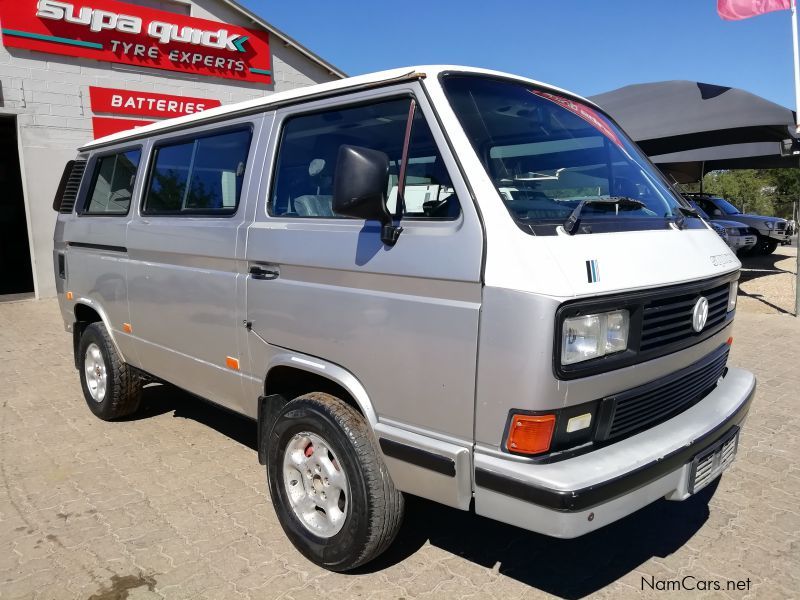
71, 186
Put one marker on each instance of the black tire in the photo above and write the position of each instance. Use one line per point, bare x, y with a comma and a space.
374, 511
123, 389
765, 246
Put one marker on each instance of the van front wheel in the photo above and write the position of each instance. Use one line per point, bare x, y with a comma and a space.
329, 486
111, 388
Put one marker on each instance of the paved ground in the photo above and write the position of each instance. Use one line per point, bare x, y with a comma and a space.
767, 282
173, 504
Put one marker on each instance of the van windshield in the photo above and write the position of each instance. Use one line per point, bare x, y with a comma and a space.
546, 153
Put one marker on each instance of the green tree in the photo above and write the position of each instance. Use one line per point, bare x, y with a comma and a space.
770, 192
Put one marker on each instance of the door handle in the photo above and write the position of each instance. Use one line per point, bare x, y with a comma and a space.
258, 272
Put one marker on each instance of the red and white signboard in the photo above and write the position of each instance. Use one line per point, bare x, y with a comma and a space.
140, 104
112, 31
104, 126
146, 104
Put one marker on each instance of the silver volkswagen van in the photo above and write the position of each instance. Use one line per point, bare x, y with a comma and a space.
440, 281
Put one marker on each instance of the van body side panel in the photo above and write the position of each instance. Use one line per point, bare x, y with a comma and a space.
185, 298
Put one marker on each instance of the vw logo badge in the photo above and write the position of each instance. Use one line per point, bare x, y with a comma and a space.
700, 314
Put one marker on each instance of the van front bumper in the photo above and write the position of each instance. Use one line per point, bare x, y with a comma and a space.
571, 497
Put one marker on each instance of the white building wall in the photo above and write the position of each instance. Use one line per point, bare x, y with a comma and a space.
49, 93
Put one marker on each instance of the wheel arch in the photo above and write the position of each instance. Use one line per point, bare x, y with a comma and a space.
85, 312
291, 374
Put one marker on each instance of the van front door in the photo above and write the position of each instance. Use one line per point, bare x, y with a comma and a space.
403, 320
185, 283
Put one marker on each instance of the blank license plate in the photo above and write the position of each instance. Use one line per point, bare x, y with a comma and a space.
712, 461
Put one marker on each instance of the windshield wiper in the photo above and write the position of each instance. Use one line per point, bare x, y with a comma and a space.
680, 219
571, 224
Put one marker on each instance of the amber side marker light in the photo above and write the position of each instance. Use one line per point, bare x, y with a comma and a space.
232, 363
69, 295
530, 434
126, 327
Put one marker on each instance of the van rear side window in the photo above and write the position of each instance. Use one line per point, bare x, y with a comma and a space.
201, 175
112, 187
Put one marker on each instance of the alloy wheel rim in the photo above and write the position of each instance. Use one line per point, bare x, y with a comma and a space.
95, 371
316, 484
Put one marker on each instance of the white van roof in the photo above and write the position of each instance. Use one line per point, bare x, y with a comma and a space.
309, 92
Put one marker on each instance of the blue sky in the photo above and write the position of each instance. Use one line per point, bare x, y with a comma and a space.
586, 46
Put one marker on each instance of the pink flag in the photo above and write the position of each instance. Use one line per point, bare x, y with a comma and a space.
733, 10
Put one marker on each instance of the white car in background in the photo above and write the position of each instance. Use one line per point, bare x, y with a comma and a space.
737, 235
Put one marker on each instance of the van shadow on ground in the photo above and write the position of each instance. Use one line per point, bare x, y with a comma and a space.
566, 568
755, 267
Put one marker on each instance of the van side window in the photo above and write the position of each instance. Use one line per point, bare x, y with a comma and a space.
202, 175
112, 185
303, 183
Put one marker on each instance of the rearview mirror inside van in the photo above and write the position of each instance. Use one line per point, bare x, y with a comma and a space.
359, 188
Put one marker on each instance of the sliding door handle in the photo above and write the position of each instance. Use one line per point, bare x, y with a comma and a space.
263, 273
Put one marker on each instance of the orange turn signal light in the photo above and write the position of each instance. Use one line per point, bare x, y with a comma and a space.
232, 363
69, 296
126, 327
530, 434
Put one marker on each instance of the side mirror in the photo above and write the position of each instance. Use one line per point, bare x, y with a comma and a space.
359, 188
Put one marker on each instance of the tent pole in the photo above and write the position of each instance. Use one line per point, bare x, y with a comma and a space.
702, 174
796, 67
797, 130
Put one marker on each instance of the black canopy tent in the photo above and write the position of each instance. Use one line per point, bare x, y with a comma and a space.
691, 165
689, 128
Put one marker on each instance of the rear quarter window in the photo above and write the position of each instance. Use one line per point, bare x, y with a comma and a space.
112, 184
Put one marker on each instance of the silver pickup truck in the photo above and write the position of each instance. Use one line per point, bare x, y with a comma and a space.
441, 281
769, 231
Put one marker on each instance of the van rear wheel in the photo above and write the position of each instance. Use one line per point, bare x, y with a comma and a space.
111, 388
329, 486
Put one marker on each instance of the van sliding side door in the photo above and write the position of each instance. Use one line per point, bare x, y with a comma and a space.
184, 276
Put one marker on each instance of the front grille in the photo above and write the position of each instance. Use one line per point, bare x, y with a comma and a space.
70, 192
669, 320
662, 399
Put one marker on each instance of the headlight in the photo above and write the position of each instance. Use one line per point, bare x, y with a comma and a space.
592, 336
770, 224
733, 291
732, 231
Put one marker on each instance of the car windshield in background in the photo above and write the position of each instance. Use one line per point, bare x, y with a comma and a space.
726, 207
699, 210
546, 153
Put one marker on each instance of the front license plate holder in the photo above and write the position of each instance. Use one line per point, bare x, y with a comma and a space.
712, 461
